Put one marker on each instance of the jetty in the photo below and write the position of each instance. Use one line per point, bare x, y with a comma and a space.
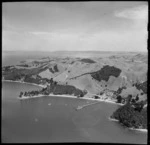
82, 106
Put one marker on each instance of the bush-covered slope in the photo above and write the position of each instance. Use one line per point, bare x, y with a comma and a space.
106, 72
56, 89
130, 117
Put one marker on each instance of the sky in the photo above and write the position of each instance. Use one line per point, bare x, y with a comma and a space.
74, 26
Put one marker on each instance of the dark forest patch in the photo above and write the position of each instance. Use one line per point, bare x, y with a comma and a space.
87, 60
106, 72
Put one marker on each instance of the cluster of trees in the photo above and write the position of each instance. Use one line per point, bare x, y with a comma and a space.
56, 69
37, 80
57, 89
96, 97
128, 99
66, 89
119, 90
30, 79
138, 106
46, 80
51, 70
132, 114
29, 94
142, 86
101, 93
87, 60
132, 117
106, 72
43, 91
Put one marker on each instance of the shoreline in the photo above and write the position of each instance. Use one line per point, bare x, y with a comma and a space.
134, 129
24, 83
50, 95
81, 107
141, 130
71, 96
65, 95
113, 119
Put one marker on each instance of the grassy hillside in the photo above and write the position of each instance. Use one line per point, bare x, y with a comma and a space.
95, 74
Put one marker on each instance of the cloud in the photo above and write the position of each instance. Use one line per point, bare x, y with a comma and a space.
106, 40
62, 28
140, 12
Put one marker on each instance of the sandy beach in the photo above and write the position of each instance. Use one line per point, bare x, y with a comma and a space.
71, 96
141, 130
51, 95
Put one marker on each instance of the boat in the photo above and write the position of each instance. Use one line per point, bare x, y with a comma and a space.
79, 107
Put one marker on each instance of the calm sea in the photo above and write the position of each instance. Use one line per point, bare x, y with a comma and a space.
35, 120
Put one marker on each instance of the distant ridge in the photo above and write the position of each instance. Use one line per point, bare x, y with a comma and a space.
64, 51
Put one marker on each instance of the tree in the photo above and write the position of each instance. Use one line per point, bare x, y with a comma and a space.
119, 99
137, 97
51, 80
133, 101
123, 101
84, 91
55, 83
139, 106
21, 93
81, 95
129, 98
25, 93
96, 97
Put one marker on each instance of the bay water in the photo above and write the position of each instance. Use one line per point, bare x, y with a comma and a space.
55, 119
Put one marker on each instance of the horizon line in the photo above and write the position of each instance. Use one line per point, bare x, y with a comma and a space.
67, 51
